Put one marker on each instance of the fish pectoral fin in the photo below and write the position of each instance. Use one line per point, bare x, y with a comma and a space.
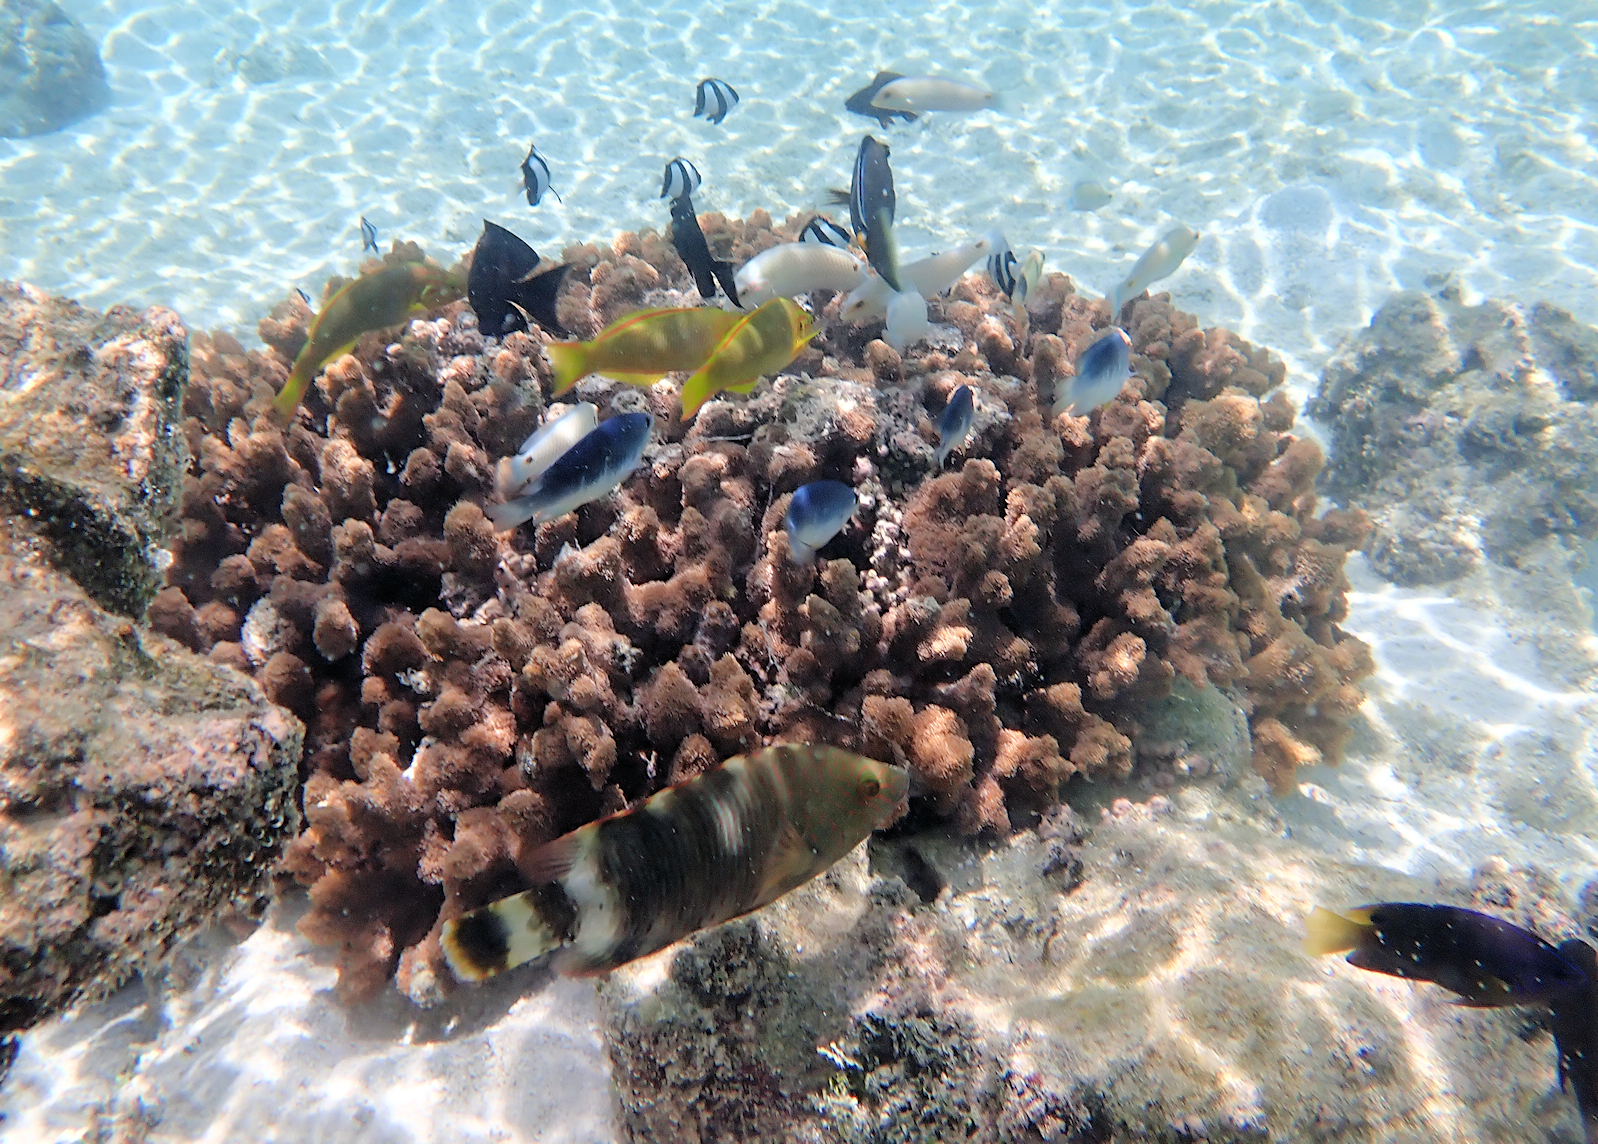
550, 862
792, 862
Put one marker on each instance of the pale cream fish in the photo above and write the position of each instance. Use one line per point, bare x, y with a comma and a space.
1088, 196
907, 320
922, 93
1159, 261
548, 442
926, 276
793, 268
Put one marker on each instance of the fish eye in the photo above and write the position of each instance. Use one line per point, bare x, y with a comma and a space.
869, 788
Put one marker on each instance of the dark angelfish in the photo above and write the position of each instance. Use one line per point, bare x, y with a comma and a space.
690, 857
682, 178
860, 101
535, 177
871, 208
714, 98
823, 230
368, 237
505, 288
695, 252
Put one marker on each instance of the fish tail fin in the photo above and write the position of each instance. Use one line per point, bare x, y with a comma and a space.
288, 397
837, 198
724, 275
570, 363
695, 392
1327, 932
497, 937
510, 514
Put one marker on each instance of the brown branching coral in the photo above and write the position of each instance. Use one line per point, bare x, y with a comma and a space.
997, 628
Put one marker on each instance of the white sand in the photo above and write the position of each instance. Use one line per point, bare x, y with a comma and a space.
1331, 154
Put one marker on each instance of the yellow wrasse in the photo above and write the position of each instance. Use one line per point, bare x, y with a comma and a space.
690, 857
375, 301
642, 347
760, 344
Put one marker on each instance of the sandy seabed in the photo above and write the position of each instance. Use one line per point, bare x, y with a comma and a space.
1330, 154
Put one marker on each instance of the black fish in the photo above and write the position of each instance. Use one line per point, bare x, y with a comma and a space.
871, 206
682, 178
505, 288
695, 251
1575, 1028
1486, 960
823, 230
535, 177
368, 237
714, 98
860, 101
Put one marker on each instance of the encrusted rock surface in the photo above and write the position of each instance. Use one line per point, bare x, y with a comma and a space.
50, 70
142, 789
1142, 983
90, 447
1468, 433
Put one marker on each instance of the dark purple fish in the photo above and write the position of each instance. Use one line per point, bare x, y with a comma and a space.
1575, 1028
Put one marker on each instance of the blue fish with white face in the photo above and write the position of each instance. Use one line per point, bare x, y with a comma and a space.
589, 470
955, 424
535, 177
1101, 371
816, 514
713, 98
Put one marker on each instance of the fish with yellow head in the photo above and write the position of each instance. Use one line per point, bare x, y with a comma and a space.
642, 347
375, 301
761, 343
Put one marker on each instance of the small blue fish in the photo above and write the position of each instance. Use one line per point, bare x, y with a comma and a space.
1101, 371
304, 297
955, 424
586, 472
535, 177
823, 230
714, 98
368, 237
682, 178
816, 514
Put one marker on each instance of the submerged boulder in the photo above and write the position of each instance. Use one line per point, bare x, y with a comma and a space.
50, 70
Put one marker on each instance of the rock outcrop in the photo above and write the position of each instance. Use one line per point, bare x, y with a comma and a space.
50, 70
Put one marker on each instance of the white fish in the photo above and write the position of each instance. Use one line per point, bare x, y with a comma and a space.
919, 93
682, 178
1088, 196
589, 470
791, 268
1158, 261
907, 320
1101, 371
926, 276
547, 443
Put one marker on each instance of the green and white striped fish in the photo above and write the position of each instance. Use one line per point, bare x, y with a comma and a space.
692, 856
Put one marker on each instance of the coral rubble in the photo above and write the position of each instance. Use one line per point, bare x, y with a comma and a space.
997, 627
1467, 432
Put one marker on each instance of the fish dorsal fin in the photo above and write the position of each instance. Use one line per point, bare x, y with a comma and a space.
552, 861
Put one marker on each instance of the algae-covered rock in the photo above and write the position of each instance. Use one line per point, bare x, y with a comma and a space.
1466, 432
142, 789
1146, 983
50, 70
90, 447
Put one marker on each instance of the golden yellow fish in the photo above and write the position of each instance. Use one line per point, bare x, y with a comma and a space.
642, 347
759, 344
375, 301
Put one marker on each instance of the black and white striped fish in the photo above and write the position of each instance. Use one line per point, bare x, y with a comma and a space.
823, 230
714, 98
682, 178
692, 856
368, 237
535, 177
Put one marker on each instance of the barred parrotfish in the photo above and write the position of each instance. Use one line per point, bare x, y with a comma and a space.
692, 856
386, 297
